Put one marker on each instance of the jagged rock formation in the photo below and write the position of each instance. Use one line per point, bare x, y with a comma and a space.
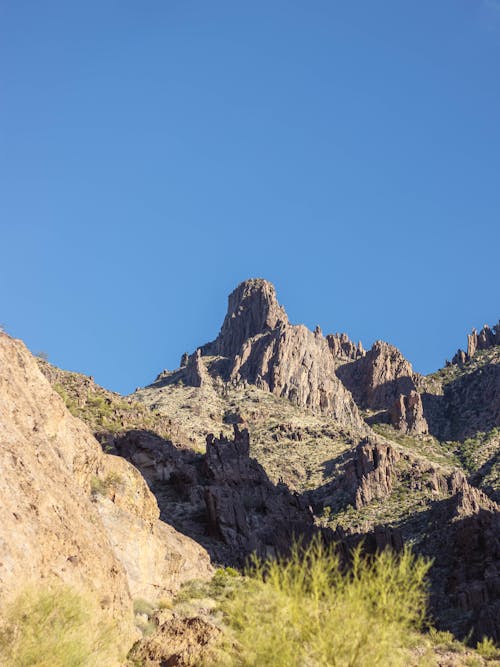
258, 346
407, 414
252, 310
295, 363
224, 499
463, 536
72, 513
342, 347
196, 374
485, 339
467, 405
372, 470
377, 379
244, 508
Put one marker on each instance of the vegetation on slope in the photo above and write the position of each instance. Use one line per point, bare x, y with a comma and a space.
306, 610
56, 627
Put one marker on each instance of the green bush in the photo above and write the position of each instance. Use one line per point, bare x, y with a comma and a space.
305, 610
487, 648
56, 628
102, 486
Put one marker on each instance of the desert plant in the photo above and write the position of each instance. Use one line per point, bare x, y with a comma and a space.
56, 627
102, 486
306, 610
487, 648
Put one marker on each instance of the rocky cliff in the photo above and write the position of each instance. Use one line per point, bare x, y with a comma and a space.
257, 345
378, 378
252, 309
295, 363
485, 339
73, 514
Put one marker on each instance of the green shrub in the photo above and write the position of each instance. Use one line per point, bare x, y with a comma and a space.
487, 648
306, 610
56, 628
142, 606
101, 486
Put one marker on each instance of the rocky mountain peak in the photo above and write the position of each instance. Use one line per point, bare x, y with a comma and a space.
252, 309
486, 338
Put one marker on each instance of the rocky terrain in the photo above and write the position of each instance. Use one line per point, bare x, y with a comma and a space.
320, 441
269, 432
70, 512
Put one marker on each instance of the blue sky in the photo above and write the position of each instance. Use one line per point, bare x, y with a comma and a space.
154, 154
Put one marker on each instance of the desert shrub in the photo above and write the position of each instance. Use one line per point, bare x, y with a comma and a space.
101, 486
487, 648
142, 606
56, 628
306, 610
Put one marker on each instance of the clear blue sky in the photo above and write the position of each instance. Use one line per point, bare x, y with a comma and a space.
154, 154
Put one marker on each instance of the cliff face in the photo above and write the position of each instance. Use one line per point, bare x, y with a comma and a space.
343, 348
484, 340
252, 309
407, 414
70, 512
463, 537
295, 363
377, 379
49, 527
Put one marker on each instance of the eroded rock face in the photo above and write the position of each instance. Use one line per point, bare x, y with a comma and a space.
486, 338
342, 347
469, 405
49, 527
373, 469
71, 512
407, 414
295, 363
371, 472
257, 345
195, 373
244, 508
252, 309
464, 539
378, 378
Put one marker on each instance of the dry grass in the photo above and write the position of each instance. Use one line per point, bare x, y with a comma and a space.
56, 627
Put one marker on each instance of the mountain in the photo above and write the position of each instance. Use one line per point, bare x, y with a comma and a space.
358, 434
268, 432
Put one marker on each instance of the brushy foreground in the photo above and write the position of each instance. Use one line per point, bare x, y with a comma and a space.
56, 627
307, 611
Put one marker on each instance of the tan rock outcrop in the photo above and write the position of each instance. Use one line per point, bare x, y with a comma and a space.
70, 512
49, 528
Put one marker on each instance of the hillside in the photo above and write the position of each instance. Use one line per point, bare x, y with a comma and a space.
358, 438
